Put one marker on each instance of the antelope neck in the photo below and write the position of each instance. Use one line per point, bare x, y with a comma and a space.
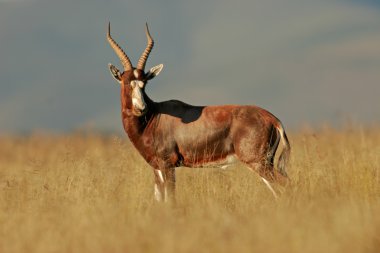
134, 126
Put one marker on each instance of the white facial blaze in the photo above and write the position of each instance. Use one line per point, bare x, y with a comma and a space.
137, 95
136, 73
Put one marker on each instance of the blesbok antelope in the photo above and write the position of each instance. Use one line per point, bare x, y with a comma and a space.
172, 133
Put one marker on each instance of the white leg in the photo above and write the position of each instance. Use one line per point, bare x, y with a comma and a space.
157, 193
160, 176
270, 187
170, 186
166, 194
164, 185
158, 186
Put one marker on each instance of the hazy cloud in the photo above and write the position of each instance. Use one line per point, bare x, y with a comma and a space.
307, 61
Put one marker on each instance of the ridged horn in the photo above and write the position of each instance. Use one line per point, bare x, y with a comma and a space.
120, 53
148, 49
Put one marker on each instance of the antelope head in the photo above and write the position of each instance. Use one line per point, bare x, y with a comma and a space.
133, 80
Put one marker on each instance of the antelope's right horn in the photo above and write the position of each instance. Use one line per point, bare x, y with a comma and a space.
120, 53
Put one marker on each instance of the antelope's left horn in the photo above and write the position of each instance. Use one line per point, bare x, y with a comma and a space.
148, 49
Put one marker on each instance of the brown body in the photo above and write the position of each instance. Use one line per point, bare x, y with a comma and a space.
172, 134
175, 134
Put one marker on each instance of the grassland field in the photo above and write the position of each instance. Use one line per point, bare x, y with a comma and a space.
94, 193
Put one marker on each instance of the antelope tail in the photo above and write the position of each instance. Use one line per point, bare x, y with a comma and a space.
284, 156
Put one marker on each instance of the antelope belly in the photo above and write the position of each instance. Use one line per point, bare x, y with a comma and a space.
221, 163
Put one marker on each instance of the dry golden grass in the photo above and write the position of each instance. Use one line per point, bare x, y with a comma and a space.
88, 193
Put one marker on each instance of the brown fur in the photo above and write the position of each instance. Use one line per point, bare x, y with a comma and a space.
173, 134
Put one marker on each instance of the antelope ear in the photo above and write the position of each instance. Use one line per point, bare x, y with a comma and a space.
115, 72
154, 71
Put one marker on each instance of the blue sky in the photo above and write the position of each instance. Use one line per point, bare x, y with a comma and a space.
306, 61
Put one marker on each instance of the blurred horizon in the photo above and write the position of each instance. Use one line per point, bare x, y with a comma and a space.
308, 62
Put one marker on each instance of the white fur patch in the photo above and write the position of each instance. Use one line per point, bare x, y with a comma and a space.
223, 163
136, 73
270, 187
160, 176
166, 194
157, 193
137, 95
